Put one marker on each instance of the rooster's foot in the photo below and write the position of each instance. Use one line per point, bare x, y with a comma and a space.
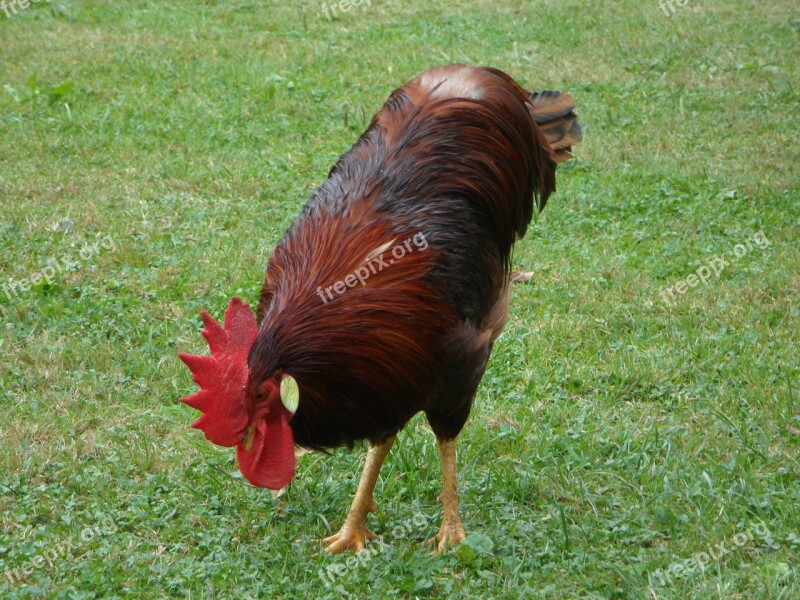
450, 534
350, 537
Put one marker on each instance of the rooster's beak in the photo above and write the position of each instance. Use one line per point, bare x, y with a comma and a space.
249, 436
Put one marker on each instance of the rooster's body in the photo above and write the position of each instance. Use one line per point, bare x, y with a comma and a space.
386, 294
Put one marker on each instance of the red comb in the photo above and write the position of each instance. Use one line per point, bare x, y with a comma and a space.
222, 377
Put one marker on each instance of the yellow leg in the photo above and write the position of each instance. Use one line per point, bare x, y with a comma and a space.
452, 530
354, 533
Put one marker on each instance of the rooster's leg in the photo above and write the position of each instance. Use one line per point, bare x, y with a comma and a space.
354, 532
452, 530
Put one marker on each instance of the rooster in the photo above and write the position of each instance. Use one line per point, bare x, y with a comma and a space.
386, 294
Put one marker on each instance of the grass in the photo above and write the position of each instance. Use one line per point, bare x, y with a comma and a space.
614, 437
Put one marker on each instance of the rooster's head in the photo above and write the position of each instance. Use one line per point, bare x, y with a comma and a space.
236, 412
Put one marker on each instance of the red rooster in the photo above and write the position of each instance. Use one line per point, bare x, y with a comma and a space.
384, 297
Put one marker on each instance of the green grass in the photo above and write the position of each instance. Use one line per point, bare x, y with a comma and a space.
613, 436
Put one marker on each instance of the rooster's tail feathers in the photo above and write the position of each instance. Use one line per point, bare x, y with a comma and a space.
555, 116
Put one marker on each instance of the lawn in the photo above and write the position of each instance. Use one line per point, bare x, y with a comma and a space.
637, 432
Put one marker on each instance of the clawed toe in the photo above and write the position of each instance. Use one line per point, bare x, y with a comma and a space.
349, 538
448, 536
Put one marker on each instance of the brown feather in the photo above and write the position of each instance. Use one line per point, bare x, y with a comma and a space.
548, 106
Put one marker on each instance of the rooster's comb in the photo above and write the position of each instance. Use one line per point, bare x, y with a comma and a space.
222, 377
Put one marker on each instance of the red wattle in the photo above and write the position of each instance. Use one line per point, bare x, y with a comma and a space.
270, 462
